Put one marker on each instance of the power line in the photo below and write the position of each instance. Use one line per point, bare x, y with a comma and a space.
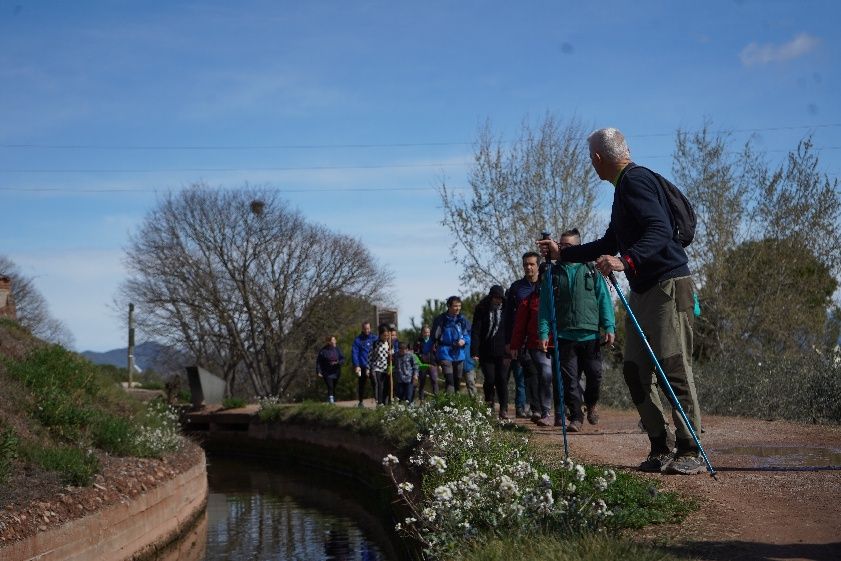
233, 147
278, 190
226, 170
307, 168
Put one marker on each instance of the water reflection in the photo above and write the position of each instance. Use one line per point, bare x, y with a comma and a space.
260, 513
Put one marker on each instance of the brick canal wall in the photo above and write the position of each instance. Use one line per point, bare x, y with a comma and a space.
132, 530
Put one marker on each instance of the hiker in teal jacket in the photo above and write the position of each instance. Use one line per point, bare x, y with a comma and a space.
585, 320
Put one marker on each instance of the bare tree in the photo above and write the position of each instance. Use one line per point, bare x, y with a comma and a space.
543, 180
246, 284
33, 312
752, 215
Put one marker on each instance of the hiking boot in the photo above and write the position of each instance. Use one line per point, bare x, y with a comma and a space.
559, 421
503, 415
520, 414
543, 421
593, 414
575, 426
686, 463
656, 462
535, 417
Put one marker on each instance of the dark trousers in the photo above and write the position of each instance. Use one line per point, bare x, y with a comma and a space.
364, 377
453, 371
495, 373
330, 382
432, 373
577, 357
405, 391
383, 387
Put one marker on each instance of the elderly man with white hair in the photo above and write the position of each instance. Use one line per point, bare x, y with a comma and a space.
641, 241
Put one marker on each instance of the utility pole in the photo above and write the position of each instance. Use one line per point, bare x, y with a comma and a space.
130, 345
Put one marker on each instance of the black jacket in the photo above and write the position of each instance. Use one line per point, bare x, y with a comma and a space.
640, 230
482, 343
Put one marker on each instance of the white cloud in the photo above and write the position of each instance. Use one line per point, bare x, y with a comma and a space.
768, 53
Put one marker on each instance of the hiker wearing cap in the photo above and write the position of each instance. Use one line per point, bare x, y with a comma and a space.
585, 320
487, 347
650, 253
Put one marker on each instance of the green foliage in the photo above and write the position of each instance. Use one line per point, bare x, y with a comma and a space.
114, 435
805, 387
590, 547
8, 452
75, 466
771, 295
233, 403
81, 407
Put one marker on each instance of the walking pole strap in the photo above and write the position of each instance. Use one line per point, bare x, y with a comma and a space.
661, 374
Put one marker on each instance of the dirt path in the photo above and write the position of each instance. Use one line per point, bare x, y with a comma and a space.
761, 508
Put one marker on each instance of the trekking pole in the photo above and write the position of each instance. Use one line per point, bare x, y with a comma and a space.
556, 361
662, 375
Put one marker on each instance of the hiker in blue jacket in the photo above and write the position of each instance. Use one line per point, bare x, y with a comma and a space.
451, 341
360, 351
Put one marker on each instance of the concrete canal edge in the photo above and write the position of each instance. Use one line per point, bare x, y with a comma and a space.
151, 524
133, 530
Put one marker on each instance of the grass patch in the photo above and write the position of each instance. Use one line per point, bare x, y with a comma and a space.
75, 466
593, 547
362, 421
8, 452
80, 407
233, 403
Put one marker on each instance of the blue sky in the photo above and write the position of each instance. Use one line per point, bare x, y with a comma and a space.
105, 105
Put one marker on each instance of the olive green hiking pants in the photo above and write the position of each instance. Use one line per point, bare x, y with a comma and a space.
665, 313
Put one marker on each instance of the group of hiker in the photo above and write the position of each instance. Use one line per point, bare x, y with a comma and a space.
548, 329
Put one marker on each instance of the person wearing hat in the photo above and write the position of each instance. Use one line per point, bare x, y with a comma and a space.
487, 347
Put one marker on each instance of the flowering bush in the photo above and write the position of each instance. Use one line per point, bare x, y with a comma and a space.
478, 479
158, 432
270, 407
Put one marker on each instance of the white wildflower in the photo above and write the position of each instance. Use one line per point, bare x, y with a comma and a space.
405, 487
580, 474
443, 493
600, 484
390, 460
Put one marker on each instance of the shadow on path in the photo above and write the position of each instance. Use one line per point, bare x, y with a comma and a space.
735, 550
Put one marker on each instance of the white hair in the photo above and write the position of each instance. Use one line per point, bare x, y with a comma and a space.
610, 144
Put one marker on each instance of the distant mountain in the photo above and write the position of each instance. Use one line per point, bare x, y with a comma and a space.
147, 356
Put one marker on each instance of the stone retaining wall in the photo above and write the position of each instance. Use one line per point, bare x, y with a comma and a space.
133, 530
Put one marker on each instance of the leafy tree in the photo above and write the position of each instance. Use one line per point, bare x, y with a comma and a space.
517, 190
246, 284
780, 301
32, 309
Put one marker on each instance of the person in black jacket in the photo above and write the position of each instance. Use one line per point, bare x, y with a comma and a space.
642, 233
487, 347
328, 365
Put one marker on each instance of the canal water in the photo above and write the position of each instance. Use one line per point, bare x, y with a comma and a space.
258, 510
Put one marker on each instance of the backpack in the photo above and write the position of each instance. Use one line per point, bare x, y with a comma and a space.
683, 215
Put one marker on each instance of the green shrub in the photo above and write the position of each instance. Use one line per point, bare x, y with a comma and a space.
185, 396
76, 467
233, 403
8, 452
115, 435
